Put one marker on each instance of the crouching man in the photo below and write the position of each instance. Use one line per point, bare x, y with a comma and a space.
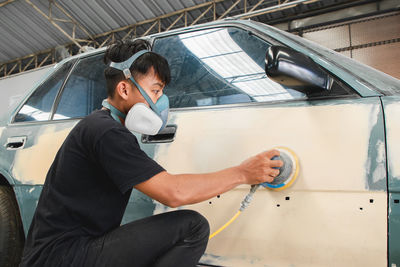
78, 217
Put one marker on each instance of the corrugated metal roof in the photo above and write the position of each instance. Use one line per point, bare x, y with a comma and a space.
24, 30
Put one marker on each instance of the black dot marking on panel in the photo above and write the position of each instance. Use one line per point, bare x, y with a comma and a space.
210, 202
218, 196
371, 201
361, 208
278, 205
287, 198
396, 201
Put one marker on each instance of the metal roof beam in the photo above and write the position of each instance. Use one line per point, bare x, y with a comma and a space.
278, 7
229, 9
6, 2
69, 19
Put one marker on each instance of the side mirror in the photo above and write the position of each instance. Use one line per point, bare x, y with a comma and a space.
296, 70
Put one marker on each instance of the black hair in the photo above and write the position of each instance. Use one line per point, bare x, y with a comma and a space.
121, 51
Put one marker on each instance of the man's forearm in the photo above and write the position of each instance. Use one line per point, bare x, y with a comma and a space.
194, 188
183, 189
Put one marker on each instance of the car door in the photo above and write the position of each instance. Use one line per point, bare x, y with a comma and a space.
23, 138
225, 110
43, 122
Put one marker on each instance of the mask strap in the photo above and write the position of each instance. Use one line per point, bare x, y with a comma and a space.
146, 96
125, 65
115, 113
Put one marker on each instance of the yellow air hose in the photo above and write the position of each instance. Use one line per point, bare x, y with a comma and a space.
225, 225
246, 201
288, 174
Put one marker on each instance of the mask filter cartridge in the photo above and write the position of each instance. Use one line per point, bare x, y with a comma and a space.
141, 119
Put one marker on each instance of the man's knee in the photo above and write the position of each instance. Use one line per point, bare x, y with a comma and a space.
199, 226
203, 223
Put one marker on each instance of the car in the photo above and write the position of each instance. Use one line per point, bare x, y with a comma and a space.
238, 87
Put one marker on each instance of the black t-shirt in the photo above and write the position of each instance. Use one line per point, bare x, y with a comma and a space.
86, 190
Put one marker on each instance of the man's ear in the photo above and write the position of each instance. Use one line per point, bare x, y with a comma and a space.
122, 89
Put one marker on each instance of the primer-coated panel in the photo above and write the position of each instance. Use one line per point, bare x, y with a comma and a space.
29, 165
335, 214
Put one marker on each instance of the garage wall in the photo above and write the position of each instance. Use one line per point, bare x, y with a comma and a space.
374, 41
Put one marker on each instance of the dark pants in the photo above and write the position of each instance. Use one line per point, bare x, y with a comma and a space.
177, 238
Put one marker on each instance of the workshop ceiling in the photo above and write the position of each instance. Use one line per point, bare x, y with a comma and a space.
24, 30
29, 27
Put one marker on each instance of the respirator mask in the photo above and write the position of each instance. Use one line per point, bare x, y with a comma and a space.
140, 118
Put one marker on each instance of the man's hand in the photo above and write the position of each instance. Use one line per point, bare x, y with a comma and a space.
259, 168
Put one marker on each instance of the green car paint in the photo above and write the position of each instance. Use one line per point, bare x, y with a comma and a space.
391, 106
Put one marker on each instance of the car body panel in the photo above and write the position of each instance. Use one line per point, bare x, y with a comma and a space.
329, 212
27, 197
28, 166
392, 114
394, 229
43, 139
7, 176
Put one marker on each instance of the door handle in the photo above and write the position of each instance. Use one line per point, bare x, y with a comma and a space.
167, 135
15, 142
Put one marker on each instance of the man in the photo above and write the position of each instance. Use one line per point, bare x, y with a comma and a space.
77, 220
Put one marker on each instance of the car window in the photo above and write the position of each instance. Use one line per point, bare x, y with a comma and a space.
219, 66
84, 90
39, 104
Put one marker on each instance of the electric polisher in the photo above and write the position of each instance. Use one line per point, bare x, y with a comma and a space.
287, 175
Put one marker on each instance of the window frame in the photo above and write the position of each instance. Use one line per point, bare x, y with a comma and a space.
353, 94
75, 60
61, 91
28, 96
